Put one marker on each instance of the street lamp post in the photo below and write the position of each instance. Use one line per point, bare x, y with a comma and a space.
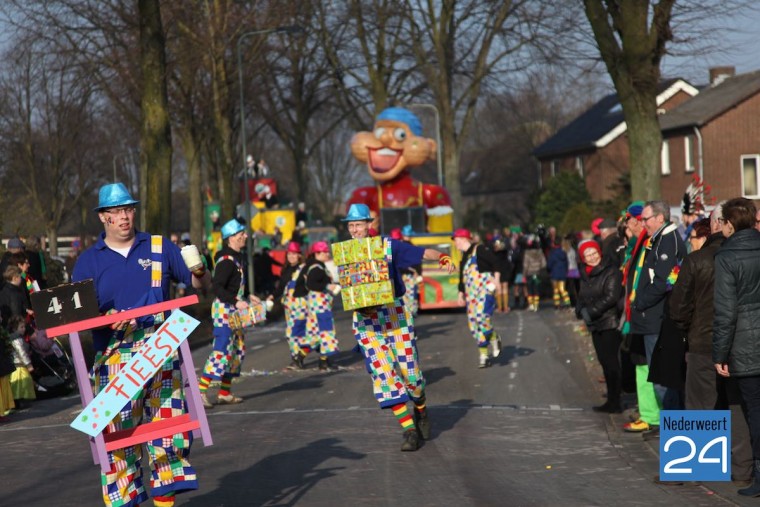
244, 152
437, 138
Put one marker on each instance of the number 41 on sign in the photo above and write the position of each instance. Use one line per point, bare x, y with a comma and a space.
64, 304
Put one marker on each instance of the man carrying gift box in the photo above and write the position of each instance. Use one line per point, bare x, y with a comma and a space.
133, 269
386, 335
227, 356
478, 279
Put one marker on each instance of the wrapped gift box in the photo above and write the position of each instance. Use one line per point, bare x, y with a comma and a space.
241, 319
363, 273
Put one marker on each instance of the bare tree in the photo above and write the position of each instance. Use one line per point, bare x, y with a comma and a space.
52, 149
463, 45
632, 36
295, 94
155, 138
367, 47
334, 173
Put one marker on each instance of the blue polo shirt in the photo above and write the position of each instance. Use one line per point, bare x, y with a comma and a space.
404, 255
125, 283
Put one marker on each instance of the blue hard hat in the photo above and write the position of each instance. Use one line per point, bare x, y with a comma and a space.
112, 195
231, 228
358, 212
407, 230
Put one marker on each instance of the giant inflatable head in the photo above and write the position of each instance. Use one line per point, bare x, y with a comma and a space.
395, 144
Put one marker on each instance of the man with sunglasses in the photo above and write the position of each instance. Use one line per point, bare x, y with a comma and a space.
133, 269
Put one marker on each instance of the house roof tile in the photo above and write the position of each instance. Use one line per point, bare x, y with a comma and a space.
586, 130
711, 102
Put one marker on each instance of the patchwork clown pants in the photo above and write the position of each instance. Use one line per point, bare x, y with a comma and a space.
228, 353
320, 326
480, 307
299, 312
410, 293
293, 341
386, 338
162, 397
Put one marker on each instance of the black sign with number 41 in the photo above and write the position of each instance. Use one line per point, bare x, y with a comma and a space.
65, 304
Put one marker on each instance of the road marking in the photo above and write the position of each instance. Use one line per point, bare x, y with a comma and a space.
276, 340
257, 347
220, 413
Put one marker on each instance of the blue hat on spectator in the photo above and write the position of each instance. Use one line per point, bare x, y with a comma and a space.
15, 243
231, 228
358, 212
407, 230
112, 195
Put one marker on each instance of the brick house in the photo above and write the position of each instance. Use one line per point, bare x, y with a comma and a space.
596, 145
716, 136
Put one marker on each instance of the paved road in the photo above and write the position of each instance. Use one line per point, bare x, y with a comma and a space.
520, 433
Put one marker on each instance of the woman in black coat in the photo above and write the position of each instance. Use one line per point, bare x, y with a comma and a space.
600, 290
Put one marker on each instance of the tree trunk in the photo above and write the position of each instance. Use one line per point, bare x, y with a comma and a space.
645, 140
52, 240
631, 37
450, 153
195, 187
156, 140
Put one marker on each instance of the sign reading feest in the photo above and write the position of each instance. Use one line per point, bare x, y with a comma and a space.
135, 374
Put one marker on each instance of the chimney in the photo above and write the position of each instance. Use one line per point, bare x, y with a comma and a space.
720, 74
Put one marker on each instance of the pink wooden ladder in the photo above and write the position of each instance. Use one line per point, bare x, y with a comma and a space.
194, 421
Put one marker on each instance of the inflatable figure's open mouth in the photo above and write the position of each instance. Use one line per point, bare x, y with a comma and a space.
383, 160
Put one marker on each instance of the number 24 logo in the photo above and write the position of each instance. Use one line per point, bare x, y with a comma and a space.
722, 460
56, 307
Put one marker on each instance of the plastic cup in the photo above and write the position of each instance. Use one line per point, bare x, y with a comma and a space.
192, 257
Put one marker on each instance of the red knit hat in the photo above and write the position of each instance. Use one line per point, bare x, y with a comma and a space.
585, 245
294, 247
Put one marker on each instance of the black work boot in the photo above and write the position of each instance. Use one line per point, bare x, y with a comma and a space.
324, 365
411, 440
754, 488
422, 421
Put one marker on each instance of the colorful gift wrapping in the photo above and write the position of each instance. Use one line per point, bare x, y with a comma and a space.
255, 314
363, 272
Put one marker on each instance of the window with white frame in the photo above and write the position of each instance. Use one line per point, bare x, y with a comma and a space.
665, 158
688, 144
750, 175
579, 165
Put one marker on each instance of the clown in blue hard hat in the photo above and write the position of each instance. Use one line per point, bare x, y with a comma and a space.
133, 269
230, 313
392, 323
